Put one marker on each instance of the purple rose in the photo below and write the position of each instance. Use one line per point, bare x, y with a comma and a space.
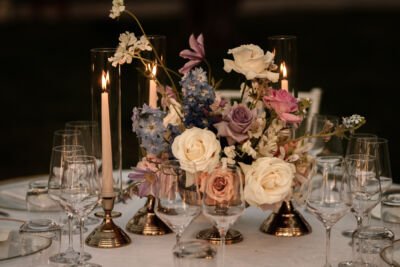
236, 123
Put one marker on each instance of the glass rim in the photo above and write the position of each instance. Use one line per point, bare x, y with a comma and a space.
80, 123
73, 148
81, 159
103, 50
282, 37
373, 140
362, 157
67, 132
327, 159
156, 36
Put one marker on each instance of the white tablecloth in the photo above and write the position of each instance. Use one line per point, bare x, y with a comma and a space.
257, 249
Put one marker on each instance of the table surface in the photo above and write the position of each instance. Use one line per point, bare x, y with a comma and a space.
257, 248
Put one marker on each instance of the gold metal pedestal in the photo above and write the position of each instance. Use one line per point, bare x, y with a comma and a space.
286, 222
145, 221
212, 235
107, 234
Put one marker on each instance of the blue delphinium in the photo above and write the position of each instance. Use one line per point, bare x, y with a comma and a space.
198, 95
147, 123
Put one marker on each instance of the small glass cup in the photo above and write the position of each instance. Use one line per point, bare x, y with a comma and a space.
194, 253
44, 213
368, 242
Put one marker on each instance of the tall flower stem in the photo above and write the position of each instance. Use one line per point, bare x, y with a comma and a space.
209, 70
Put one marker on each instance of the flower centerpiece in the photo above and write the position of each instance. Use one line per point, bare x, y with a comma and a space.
194, 124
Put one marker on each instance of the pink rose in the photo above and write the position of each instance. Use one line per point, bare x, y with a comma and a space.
221, 185
283, 103
236, 123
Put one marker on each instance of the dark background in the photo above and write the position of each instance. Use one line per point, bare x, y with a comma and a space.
348, 48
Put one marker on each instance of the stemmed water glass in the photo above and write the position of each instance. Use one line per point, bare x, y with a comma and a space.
363, 187
326, 196
223, 200
80, 193
177, 199
90, 136
353, 147
58, 155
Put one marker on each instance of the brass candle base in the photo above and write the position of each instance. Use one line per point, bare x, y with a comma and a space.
212, 235
145, 221
286, 222
107, 234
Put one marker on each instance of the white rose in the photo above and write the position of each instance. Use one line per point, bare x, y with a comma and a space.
251, 62
268, 180
174, 114
198, 146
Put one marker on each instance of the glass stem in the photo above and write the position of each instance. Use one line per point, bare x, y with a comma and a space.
82, 241
328, 247
178, 238
222, 233
70, 234
359, 221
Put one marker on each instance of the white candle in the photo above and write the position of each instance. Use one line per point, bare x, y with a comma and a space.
153, 89
107, 181
284, 81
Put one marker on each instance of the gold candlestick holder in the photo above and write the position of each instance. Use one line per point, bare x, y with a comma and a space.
145, 221
286, 222
108, 234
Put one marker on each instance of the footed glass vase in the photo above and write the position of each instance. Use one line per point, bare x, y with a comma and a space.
286, 222
146, 222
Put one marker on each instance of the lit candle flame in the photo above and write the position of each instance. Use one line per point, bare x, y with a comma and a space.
283, 69
105, 79
154, 70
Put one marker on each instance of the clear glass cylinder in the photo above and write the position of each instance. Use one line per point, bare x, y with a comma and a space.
285, 49
150, 72
106, 111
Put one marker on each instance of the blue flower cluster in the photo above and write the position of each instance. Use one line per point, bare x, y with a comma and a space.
147, 123
198, 95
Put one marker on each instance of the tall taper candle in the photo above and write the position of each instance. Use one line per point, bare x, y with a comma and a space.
107, 181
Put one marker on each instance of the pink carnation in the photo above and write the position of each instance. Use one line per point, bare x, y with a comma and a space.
283, 103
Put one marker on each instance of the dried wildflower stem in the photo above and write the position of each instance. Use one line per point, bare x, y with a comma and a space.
155, 53
322, 135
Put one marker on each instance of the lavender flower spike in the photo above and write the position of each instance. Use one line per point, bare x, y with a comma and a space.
195, 56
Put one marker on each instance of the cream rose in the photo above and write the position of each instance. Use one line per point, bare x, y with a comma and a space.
174, 114
198, 146
251, 61
267, 181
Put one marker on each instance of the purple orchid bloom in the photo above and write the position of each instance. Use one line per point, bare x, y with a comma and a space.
195, 56
147, 180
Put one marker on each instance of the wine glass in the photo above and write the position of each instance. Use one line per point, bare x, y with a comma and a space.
379, 148
326, 196
90, 137
79, 193
223, 200
177, 199
58, 155
319, 146
353, 148
351, 144
362, 179
67, 137
362, 183
89, 131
